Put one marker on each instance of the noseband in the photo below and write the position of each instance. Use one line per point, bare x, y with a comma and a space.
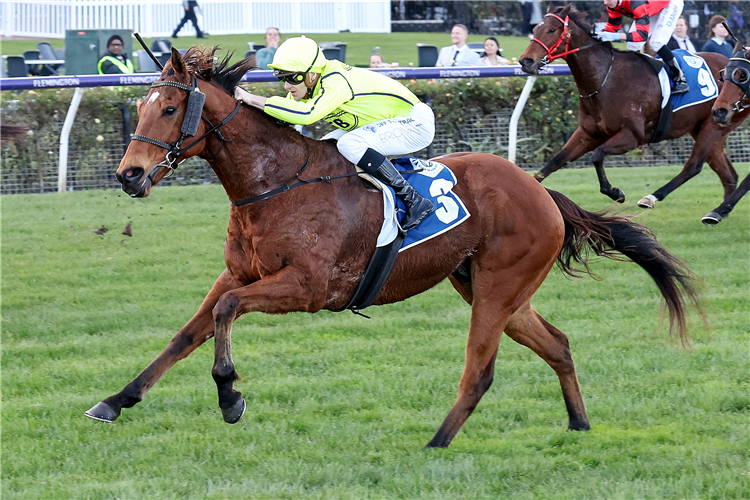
730, 73
189, 128
564, 37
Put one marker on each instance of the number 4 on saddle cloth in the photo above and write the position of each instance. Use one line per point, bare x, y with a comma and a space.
432, 180
702, 85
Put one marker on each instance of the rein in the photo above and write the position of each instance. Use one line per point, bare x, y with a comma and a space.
611, 63
192, 118
287, 187
565, 35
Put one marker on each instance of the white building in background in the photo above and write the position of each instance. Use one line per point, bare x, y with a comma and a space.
157, 18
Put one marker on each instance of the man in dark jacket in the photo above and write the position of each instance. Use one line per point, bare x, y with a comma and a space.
115, 61
190, 6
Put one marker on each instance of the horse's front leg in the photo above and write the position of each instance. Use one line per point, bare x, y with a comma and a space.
620, 143
722, 211
579, 144
289, 290
193, 334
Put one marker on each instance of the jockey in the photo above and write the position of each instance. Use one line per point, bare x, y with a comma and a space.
376, 116
643, 12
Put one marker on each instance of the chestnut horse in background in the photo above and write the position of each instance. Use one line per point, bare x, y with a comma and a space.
733, 99
620, 104
305, 249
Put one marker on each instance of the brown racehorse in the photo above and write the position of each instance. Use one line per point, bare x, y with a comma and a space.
620, 103
734, 98
306, 248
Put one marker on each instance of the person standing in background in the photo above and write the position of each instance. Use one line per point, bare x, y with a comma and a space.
115, 61
717, 34
680, 38
189, 6
264, 56
491, 55
458, 54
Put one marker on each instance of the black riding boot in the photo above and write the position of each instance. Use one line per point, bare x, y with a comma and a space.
417, 206
678, 77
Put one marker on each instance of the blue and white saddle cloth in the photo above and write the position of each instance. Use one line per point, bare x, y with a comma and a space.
434, 181
701, 81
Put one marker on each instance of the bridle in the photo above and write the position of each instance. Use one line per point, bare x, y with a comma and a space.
565, 36
190, 122
733, 69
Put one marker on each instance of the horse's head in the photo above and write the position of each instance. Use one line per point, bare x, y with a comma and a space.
171, 120
550, 39
735, 95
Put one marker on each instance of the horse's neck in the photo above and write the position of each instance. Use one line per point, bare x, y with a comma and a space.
257, 155
589, 65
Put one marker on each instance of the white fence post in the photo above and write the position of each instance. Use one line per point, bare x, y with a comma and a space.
62, 173
516, 116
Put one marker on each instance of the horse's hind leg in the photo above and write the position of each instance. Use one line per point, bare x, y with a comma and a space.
199, 329
709, 146
527, 327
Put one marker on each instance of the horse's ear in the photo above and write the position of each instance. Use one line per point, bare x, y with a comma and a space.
551, 7
566, 10
178, 64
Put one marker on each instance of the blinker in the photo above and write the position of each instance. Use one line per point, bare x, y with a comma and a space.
195, 103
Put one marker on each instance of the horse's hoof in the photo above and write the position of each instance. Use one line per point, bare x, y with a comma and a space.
234, 414
103, 412
711, 219
648, 201
619, 196
539, 176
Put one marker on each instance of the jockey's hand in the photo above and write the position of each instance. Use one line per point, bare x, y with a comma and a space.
608, 36
250, 99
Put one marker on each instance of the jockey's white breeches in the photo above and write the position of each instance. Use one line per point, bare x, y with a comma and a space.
389, 137
661, 27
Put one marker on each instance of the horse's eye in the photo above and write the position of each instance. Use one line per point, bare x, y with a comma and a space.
741, 75
169, 111
552, 30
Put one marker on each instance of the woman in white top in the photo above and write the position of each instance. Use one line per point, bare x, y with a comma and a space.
680, 38
491, 56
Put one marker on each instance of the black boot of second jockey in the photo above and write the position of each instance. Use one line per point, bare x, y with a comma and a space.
678, 77
417, 206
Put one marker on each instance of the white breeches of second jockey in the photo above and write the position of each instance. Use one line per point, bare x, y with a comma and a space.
389, 137
661, 28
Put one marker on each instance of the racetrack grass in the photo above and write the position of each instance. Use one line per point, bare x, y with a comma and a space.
339, 407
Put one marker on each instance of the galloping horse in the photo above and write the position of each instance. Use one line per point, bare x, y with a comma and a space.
732, 99
306, 248
620, 103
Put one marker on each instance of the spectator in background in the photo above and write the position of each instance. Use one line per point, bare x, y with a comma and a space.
189, 6
718, 35
376, 61
491, 55
115, 61
264, 56
680, 38
458, 54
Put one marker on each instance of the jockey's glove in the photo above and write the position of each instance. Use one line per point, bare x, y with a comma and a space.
608, 36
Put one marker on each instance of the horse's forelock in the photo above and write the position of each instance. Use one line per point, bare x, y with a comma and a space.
201, 62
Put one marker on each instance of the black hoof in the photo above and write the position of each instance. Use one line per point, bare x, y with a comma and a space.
618, 196
579, 426
711, 219
103, 412
234, 414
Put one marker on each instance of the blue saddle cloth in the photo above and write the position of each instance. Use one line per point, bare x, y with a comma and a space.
434, 181
701, 81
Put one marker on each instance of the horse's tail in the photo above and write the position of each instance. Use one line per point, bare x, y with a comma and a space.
609, 235
13, 133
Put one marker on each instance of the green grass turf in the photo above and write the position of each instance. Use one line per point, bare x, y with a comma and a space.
339, 407
395, 47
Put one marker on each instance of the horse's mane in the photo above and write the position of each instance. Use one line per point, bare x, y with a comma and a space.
202, 63
578, 17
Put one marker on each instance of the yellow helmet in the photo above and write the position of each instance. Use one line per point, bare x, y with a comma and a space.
299, 55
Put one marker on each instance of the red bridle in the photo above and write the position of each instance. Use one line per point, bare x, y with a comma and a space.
564, 36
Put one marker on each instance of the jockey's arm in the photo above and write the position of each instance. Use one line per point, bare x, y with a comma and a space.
333, 92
